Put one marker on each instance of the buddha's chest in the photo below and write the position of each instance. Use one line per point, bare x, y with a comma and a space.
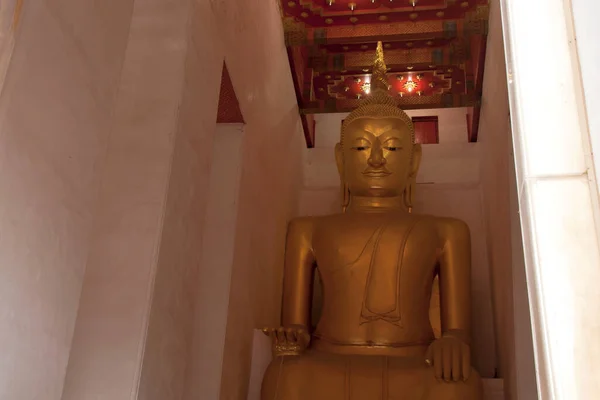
347, 243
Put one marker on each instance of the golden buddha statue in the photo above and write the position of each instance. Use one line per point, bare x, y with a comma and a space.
377, 262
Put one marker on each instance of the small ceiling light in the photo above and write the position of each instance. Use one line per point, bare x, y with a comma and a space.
366, 87
352, 6
410, 85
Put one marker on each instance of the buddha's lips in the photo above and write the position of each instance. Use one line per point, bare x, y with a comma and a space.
376, 174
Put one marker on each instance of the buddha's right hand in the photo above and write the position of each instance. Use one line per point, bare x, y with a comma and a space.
290, 341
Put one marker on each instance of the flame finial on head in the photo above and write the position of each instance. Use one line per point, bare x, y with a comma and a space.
379, 81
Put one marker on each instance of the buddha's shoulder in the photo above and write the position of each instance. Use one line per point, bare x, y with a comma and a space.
301, 225
448, 225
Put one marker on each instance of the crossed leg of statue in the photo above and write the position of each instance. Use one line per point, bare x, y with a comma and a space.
321, 376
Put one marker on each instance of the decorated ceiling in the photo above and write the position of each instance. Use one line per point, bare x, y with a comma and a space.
434, 50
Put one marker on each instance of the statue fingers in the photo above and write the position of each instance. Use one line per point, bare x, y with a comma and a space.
437, 361
456, 362
290, 335
447, 361
280, 334
466, 361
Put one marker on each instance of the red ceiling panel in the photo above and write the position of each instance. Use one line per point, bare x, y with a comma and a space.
434, 51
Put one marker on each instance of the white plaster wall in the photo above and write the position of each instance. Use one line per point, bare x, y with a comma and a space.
271, 175
587, 31
147, 250
218, 247
123, 264
557, 193
55, 112
448, 184
108, 116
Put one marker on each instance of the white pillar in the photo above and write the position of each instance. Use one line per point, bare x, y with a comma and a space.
557, 195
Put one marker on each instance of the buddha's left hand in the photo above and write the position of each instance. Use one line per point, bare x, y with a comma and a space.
450, 357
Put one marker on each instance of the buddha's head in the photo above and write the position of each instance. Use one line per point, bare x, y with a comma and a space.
377, 155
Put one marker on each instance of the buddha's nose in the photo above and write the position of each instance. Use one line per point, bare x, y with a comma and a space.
376, 159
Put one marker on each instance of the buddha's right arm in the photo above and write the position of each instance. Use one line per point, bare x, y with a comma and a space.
298, 274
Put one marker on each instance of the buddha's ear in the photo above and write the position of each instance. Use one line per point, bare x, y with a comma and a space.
416, 159
339, 159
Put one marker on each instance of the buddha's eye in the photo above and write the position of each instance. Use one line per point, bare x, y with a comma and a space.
392, 148
360, 148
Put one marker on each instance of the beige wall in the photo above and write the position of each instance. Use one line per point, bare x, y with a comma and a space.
511, 303
55, 114
108, 117
252, 37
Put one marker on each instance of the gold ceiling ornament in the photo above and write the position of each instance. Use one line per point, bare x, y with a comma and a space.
440, 14
353, 20
413, 16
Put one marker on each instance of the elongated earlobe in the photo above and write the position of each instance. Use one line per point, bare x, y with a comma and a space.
345, 197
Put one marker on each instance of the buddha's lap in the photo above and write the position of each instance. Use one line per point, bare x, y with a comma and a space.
323, 376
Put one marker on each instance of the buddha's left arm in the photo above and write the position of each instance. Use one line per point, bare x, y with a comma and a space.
455, 278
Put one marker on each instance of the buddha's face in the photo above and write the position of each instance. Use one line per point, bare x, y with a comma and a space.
375, 159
